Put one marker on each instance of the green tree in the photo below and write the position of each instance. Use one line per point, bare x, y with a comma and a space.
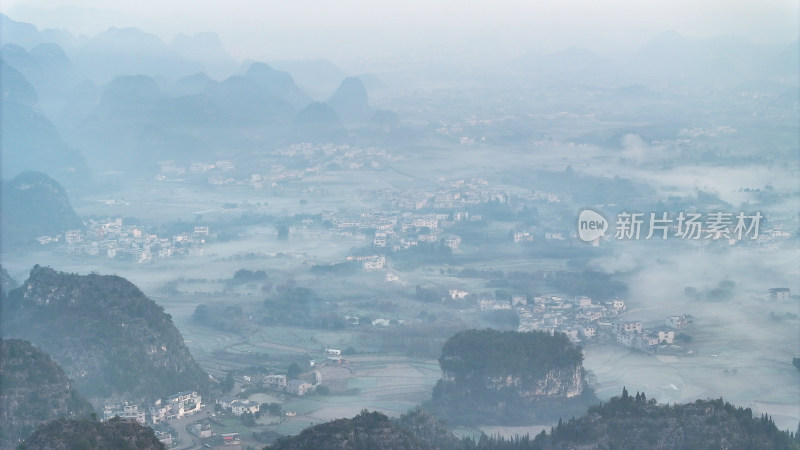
272, 408
283, 232
294, 371
228, 384
248, 420
323, 390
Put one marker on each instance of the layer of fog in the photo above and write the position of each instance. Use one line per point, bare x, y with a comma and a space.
743, 346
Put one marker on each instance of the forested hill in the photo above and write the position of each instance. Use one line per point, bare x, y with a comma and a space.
633, 421
110, 339
115, 434
510, 378
33, 390
626, 422
491, 352
33, 205
368, 430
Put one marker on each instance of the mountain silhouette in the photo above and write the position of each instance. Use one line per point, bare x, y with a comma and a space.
351, 103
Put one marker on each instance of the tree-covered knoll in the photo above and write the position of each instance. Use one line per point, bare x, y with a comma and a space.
509, 378
300, 306
494, 353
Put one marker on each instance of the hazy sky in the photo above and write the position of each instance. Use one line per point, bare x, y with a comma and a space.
426, 29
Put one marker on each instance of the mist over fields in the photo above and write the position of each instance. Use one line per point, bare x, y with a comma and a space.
339, 192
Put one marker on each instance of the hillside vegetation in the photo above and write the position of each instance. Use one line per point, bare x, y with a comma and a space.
624, 422
110, 339
115, 434
33, 390
508, 377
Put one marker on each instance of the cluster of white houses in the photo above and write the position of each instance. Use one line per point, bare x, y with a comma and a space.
583, 319
175, 406
399, 231
295, 387
238, 406
407, 227
459, 193
112, 240
318, 157
277, 382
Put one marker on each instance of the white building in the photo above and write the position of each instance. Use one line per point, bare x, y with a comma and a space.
486, 304
522, 237
200, 430
225, 401
453, 242
176, 406
676, 322
626, 327
426, 222
239, 407
780, 293
275, 381
374, 263
458, 294
299, 387
667, 337
124, 411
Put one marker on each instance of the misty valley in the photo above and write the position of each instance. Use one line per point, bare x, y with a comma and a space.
560, 250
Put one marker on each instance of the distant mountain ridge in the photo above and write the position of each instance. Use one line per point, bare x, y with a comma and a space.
318, 122
351, 102
24, 34
207, 49
318, 77
668, 59
28, 139
130, 51
278, 84
114, 342
126, 89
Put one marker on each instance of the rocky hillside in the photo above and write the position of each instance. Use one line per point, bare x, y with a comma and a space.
6, 282
110, 339
507, 377
33, 205
33, 390
115, 434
